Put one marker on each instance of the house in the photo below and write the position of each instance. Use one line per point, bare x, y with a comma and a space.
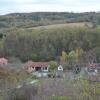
59, 72
31, 66
93, 68
3, 61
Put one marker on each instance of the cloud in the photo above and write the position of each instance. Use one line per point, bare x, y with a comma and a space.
9, 6
18, 1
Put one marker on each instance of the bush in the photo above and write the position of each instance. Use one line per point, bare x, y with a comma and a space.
53, 65
24, 93
61, 98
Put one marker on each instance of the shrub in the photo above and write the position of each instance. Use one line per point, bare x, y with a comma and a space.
61, 98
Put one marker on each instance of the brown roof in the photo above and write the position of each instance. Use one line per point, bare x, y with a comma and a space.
94, 65
37, 64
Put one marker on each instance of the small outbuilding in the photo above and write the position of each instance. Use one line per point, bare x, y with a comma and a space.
59, 72
60, 68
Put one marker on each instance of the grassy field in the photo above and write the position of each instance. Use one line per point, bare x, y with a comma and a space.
81, 24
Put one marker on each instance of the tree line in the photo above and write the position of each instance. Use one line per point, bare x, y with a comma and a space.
45, 18
48, 44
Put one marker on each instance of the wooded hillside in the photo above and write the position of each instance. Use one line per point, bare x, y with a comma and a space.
46, 18
19, 37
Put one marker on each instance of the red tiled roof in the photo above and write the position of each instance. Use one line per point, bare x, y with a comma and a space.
37, 64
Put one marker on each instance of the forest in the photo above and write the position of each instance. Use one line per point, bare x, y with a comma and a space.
48, 44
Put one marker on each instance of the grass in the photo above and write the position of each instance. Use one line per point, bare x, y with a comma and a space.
81, 24
61, 98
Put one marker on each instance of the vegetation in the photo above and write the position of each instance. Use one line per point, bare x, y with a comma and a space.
79, 88
72, 46
53, 66
18, 39
48, 44
59, 98
45, 18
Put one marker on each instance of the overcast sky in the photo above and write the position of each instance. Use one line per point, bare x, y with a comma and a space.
11, 6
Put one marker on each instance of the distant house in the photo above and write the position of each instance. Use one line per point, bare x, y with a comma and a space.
59, 72
3, 61
31, 66
93, 68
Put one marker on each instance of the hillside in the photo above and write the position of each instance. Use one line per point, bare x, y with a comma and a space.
43, 36
46, 18
77, 24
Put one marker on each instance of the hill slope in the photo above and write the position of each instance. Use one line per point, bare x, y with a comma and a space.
46, 18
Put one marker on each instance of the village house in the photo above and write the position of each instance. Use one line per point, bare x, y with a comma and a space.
31, 66
41, 69
93, 68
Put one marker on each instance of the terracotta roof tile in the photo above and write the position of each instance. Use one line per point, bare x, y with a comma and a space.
37, 64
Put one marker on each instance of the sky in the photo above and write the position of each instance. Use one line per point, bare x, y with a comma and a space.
13, 6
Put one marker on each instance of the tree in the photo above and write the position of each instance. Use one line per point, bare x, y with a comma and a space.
72, 59
63, 57
53, 66
73, 56
34, 57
